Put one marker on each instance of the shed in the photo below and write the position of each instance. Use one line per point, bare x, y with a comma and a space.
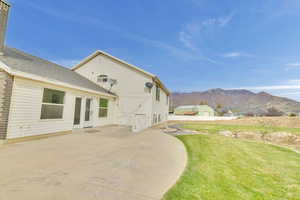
199, 110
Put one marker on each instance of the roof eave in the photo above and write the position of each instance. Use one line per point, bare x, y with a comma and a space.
4, 67
55, 82
8, 4
85, 60
157, 80
98, 52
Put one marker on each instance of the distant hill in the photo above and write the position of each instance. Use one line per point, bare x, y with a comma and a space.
242, 101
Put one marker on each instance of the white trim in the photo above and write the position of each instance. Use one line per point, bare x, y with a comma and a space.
104, 108
54, 104
80, 125
89, 123
98, 52
5, 67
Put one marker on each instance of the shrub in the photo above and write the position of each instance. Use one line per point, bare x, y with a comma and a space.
274, 112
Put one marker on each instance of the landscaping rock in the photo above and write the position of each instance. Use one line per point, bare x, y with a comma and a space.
282, 138
170, 130
277, 138
177, 130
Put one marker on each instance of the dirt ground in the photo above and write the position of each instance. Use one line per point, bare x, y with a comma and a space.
290, 122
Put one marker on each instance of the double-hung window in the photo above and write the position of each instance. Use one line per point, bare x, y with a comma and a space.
157, 93
53, 104
103, 108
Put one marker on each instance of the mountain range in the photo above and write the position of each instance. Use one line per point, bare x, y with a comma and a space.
240, 101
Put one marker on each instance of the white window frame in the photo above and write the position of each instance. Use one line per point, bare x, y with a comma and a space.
157, 93
167, 99
54, 104
105, 108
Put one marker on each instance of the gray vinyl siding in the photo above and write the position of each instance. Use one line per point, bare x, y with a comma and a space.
6, 83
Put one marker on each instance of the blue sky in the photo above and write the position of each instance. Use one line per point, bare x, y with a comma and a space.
192, 45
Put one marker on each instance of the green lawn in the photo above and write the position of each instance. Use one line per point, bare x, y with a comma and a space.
222, 168
215, 128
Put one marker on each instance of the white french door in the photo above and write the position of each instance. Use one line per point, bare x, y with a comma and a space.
88, 115
77, 113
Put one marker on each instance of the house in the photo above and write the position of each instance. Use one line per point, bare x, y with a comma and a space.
143, 100
39, 97
199, 110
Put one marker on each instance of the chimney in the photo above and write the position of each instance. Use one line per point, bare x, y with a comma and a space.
4, 10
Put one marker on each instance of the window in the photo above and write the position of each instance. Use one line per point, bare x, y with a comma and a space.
154, 119
53, 104
103, 108
157, 93
167, 100
159, 118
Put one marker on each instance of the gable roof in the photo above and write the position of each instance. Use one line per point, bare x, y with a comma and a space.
133, 67
19, 63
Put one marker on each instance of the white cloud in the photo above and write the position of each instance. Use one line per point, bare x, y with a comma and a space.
291, 66
289, 93
225, 20
294, 81
92, 21
272, 87
190, 34
289, 85
236, 55
232, 55
190, 30
221, 21
187, 40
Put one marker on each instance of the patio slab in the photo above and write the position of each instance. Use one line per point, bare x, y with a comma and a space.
108, 163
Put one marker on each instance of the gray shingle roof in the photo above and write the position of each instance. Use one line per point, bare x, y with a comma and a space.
21, 61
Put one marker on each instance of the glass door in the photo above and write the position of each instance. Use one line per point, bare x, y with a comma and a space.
77, 112
88, 113
88, 110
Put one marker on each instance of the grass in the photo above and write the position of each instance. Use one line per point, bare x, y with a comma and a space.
222, 168
215, 128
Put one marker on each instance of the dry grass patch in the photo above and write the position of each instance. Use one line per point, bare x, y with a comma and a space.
290, 122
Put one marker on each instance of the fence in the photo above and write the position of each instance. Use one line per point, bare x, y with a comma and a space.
197, 118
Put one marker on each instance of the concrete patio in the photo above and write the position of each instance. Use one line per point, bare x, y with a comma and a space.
108, 163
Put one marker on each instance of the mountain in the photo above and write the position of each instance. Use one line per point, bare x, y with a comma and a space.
242, 101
